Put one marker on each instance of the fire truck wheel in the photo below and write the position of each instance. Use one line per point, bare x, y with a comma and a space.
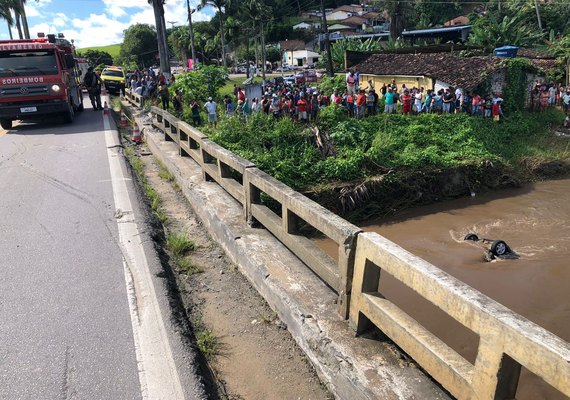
68, 116
6, 124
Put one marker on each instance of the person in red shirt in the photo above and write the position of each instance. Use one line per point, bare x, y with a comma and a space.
360, 104
302, 108
240, 94
406, 102
336, 99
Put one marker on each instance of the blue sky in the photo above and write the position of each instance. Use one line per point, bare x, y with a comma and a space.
98, 22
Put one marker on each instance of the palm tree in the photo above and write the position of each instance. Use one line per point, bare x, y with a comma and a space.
6, 14
179, 40
7, 7
24, 18
219, 4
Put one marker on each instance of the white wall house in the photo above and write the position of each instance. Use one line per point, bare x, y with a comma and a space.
300, 58
307, 25
339, 15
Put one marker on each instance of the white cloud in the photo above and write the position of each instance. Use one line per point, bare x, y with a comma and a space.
33, 7
97, 30
60, 20
108, 20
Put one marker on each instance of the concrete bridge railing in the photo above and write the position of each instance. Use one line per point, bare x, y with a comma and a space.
507, 340
247, 184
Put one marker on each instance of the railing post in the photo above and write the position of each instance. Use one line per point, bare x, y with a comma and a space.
496, 375
252, 196
366, 279
224, 170
346, 257
206, 159
290, 221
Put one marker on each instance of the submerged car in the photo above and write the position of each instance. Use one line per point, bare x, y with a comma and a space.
494, 248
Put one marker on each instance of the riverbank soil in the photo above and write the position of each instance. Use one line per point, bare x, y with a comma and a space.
395, 192
255, 357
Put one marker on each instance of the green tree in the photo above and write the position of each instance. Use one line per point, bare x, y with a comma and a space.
561, 49
202, 83
206, 36
97, 57
140, 42
6, 13
12, 11
398, 11
179, 41
273, 54
219, 5
490, 32
341, 46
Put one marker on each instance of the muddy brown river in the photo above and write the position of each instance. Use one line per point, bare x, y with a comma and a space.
534, 221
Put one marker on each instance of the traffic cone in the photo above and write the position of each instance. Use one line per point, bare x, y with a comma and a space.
105, 109
136, 136
124, 121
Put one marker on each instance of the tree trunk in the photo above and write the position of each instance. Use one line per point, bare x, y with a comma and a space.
222, 37
160, 34
25, 20
247, 56
263, 58
396, 21
10, 31
191, 33
255, 48
19, 26
164, 40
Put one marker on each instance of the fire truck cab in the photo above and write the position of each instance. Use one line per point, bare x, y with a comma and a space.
38, 77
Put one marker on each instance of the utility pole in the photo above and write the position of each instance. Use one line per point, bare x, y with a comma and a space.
538, 15
327, 42
263, 52
161, 35
191, 32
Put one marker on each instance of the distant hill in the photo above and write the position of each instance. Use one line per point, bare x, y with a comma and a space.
112, 49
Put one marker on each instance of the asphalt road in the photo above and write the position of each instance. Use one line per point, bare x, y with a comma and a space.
82, 315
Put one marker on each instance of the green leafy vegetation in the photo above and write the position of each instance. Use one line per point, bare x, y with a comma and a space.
201, 84
150, 192
139, 46
100, 55
186, 265
113, 50
372, 146
179, 244
164, 173
207, 342
515, 90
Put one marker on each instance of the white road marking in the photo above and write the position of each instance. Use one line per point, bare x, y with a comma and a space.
158, 376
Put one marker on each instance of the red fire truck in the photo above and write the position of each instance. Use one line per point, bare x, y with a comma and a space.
38, 77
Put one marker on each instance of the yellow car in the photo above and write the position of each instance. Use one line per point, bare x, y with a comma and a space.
114, 79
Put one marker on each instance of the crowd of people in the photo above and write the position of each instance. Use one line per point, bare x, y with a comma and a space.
544, 95
151, 85
303, 102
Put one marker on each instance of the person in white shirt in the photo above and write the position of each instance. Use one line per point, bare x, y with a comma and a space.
566, 100
552, 95
211, 107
